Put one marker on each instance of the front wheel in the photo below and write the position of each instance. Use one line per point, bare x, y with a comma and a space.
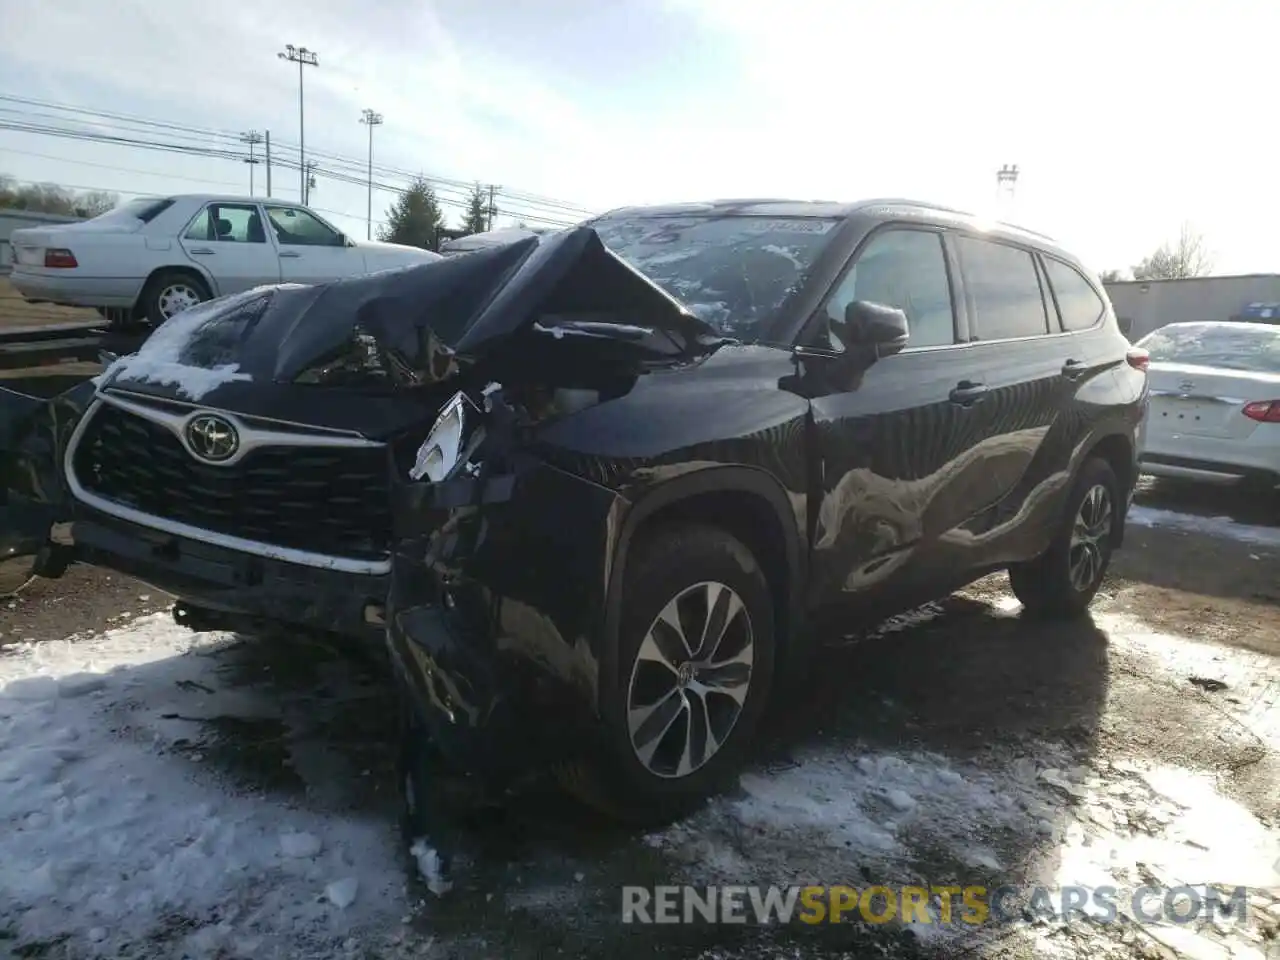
1062, 582
170, 292
694, 668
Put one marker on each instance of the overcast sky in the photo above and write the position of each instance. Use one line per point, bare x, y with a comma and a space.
1126, 117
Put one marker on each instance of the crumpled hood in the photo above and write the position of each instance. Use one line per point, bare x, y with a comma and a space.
425, 322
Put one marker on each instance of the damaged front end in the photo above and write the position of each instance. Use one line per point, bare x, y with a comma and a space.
287, 453
502, 556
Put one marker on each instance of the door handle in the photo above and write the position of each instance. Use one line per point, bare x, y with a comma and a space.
1074, 369
289, 253
968, 392
201, 252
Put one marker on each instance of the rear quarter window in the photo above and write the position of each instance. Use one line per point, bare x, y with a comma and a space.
1078, 303
146, 209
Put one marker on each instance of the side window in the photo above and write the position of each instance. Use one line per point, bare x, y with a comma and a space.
1004, 289
1080, 304
905, 269
228, 223
296, 227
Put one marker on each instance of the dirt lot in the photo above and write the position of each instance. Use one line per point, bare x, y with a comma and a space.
957, 744
16, 312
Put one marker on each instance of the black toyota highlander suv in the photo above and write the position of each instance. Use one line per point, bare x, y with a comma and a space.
596, 488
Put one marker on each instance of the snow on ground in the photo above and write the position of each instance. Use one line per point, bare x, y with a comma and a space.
1220, 527
112, 832
1029, 816
117, 833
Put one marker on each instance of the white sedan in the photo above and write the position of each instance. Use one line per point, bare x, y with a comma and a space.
1215, 403
155, 256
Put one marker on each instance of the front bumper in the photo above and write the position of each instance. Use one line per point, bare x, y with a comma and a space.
228, 581
495, 617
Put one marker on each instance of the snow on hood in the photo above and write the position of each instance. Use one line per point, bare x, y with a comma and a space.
423, 321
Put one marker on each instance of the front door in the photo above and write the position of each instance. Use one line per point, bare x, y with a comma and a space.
900, 446
311, 251
229, 242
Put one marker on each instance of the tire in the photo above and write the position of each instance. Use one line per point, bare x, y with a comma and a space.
638, 777
166, 289
1048, 586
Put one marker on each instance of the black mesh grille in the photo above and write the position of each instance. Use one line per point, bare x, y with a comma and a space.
324, 500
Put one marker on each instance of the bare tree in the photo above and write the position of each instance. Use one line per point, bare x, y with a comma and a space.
1188, 257
96, 202
53, 198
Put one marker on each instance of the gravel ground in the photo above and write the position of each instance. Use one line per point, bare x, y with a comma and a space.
959, 743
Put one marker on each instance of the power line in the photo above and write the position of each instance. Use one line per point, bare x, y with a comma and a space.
188, 131
347, 176
108, 166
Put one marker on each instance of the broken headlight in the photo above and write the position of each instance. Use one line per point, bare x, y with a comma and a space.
451, 435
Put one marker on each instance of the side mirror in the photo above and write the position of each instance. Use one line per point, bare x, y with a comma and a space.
876, 325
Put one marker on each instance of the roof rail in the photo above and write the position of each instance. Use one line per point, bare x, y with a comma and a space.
908, 202
1034, 233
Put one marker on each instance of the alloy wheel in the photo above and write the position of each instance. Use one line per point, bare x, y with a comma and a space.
690, 679
1090, 538
177, 297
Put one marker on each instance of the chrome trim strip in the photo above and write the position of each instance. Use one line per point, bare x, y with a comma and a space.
121, 512
251, 438
1200, 397
157, 403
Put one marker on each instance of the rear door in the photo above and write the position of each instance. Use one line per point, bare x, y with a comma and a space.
1032, 370
229, 241
311, 251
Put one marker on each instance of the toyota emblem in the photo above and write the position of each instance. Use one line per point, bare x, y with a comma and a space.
1186, 386
212, 438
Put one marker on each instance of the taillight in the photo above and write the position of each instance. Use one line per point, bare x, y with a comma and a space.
1264, 411
1137, 358
59, 257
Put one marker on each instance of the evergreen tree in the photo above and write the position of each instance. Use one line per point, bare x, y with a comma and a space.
477, 219
415, 218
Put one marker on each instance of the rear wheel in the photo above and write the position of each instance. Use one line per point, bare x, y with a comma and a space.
170, 292
695, 664
1062, 582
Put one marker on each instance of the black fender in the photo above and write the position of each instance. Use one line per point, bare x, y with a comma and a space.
712, 479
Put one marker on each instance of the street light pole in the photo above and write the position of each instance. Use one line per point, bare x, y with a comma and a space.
371, 120
303, 58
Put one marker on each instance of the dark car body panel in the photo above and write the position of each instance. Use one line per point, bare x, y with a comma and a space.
864, 486
889, 492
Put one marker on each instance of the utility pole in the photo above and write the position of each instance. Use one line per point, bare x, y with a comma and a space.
252, 138
492, 209
1006, 182
303, 58
370, 119
308, 182
268, 148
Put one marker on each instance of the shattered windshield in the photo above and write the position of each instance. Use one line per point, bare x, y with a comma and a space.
732, 271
